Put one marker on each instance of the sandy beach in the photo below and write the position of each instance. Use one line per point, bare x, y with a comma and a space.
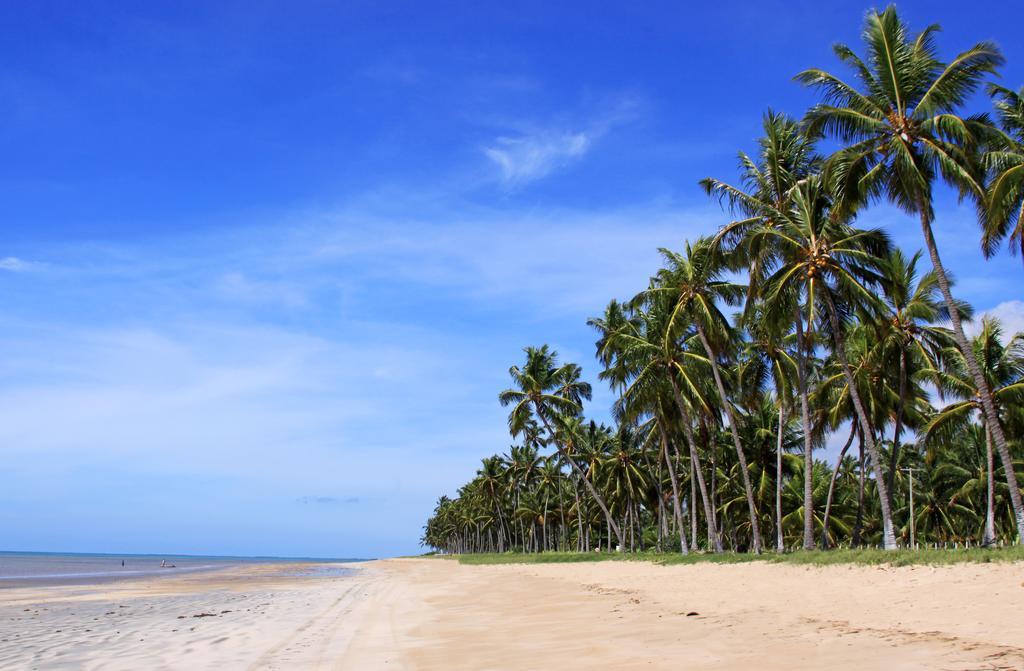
437, 614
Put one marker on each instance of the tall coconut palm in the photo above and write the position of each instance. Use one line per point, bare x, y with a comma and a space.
829, 262
523, 462
1004, 202
768, 356
785, 157
903, 133
694, 284
625, 478
907, 334
646, 363
624, 362
547, 391
492, 477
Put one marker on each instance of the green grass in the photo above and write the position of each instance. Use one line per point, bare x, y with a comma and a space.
812, 558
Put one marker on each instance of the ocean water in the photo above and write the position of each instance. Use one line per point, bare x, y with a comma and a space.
23, 569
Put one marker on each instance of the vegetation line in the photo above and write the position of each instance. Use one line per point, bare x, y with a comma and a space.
863, 557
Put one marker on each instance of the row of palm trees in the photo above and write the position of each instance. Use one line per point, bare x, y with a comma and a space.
835, 332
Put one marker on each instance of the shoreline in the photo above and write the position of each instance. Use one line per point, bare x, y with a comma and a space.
54, 569
433, 613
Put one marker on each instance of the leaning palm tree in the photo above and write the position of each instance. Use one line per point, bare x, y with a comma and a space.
903, 133
1004, 203
693, 283
547, 391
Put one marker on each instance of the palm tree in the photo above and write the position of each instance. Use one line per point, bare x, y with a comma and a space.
625, 477
619, 334
546, 391
492, 477
785, 157
767, 355
962, 474
829, 261
1004, 202
548, 480
903, 133
906, 331
693, 283
1004, 375
643, 358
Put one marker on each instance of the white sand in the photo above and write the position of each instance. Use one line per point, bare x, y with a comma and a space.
437, 614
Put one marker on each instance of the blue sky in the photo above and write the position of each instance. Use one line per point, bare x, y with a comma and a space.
264, 266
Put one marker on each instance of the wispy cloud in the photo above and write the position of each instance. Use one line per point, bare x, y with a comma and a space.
536, 152
527, 158
15, 265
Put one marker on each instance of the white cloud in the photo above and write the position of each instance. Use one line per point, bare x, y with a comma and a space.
16, 265
536, 152
1010, 315
527, 158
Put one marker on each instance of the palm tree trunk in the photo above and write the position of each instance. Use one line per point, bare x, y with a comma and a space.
832, 487
898, 429
563, 538
693, 508
888, 536
801, 380
676, 507
980, 382
755, 529
709, 511
579, 515
590, 486
858, 524
630, 517
544, 522
780, 545
990, 491
712, 447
